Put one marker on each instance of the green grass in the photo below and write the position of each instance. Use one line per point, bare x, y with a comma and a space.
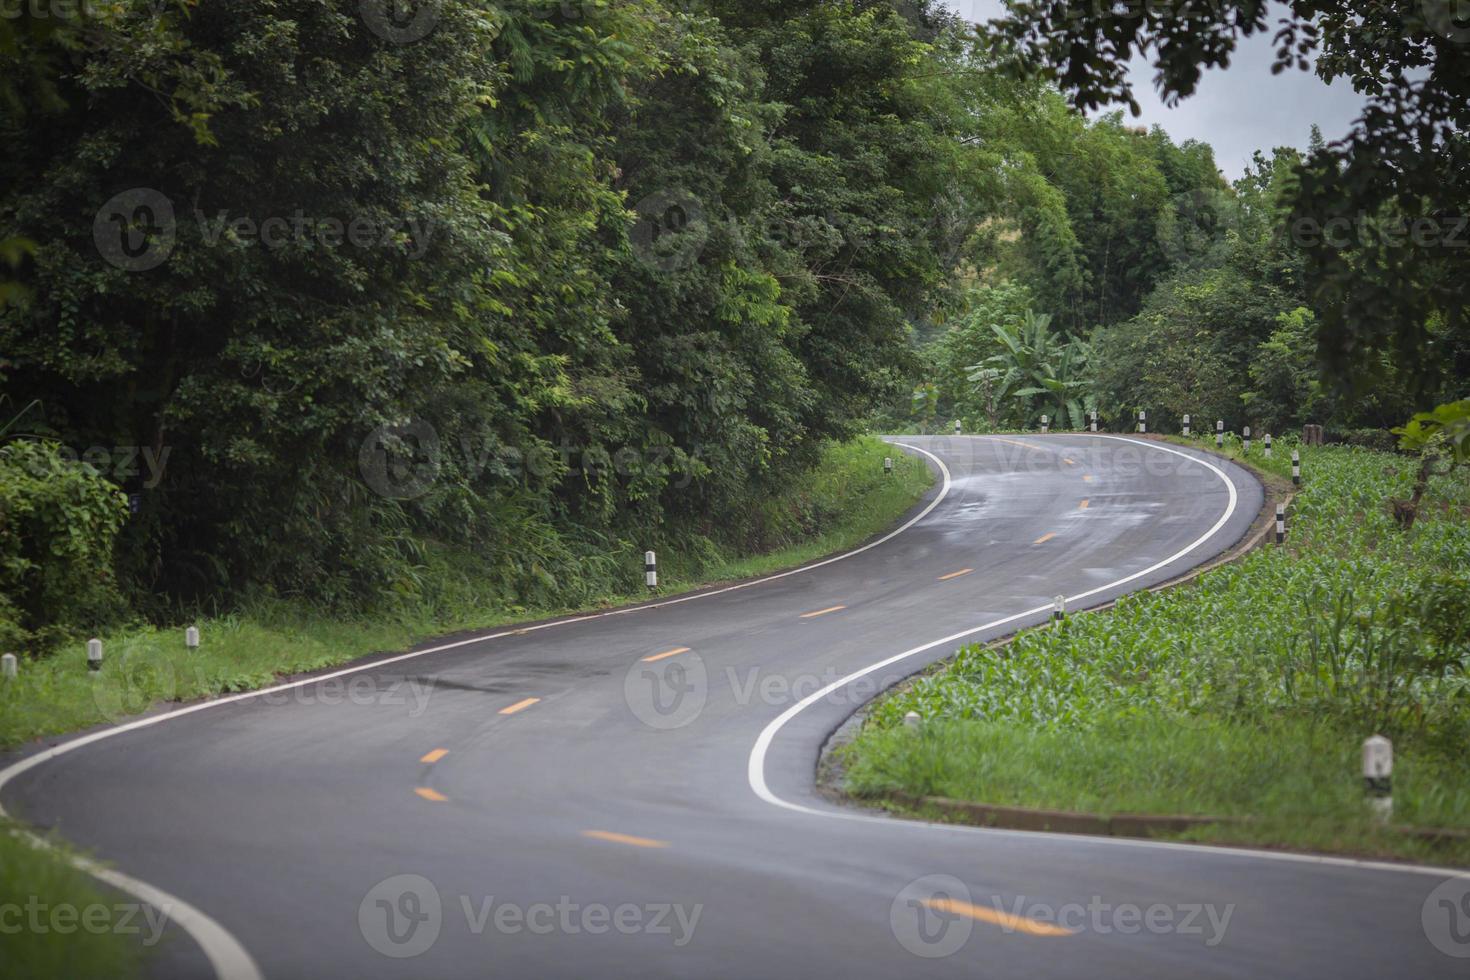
56, 922
844, 501
1246, 693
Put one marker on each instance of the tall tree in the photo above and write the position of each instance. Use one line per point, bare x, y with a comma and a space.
1380, 215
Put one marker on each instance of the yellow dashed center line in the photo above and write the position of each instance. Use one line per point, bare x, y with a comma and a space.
822, 612
1023, 445
1087, 478
519, 706
666, 654
963, 571
434, 756
1045, 538
1013, 923
431, 796
1084, 505
628, 839
1069, 461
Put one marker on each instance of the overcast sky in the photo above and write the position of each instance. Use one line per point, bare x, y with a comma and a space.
1237, 110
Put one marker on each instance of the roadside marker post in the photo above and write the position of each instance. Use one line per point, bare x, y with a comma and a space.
888, 465
1268, 445
911, 720
1094, 420
1246, 435
1280, 523
8, 666
1296, 467
191, 638
1186, 425
1059, 610
94, 654
1378, 776
1045, 424
1220, 434
650, 569
1142, 422
957, 427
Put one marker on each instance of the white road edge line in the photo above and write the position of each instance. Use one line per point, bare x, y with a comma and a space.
228, 957
756, 766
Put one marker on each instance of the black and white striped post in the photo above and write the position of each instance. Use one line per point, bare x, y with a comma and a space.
1280, 523
1296, 467
8, 667
1142, 422
94, 654
1058, 610
957, 427
1220, 434
1378, 775
650, 569
1045, 424
1268, 445
191, 638
1094, 420
1246, 435
888, 465
1186, 425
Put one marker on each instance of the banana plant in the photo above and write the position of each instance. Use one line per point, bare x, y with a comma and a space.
925, 403
1037, 370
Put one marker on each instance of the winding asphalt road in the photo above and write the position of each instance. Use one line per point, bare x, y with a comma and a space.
632, 794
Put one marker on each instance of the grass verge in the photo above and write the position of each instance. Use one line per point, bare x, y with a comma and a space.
56, 922
1247, 693
842, 502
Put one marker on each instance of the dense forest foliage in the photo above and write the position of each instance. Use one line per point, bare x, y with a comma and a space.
1196, 301
1327, 285
324, 294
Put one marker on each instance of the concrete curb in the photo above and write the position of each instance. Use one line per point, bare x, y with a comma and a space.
1057, 821
1098, 824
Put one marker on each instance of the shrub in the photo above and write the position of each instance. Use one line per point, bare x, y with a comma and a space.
58, 523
